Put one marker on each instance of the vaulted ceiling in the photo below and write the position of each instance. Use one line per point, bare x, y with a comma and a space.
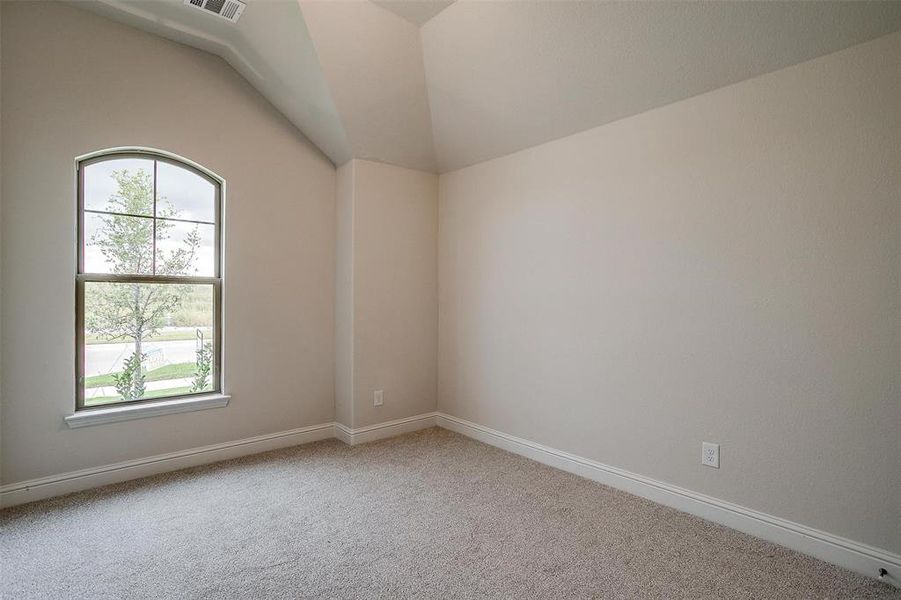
417, 12
439, 85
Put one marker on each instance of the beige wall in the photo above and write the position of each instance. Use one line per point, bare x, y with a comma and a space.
72, 83
724, 269
344, 294
1, 243
393, 225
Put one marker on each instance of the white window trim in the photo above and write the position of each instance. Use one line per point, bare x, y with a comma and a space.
143, 410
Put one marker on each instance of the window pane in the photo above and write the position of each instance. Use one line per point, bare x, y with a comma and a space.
169, 326
183, 194
185, 248
117, 244
123, 185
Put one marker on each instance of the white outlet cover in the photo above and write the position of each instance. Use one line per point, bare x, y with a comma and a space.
378, 398
710, 455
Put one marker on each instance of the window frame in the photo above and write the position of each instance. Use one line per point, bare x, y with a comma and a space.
81, 277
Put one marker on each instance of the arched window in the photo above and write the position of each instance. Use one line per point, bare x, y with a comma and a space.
149, 282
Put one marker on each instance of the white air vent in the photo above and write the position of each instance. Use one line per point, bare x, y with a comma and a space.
227, 9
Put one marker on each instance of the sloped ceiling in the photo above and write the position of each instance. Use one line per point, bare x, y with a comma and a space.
415, 11
503, 76
372, 60
482, 79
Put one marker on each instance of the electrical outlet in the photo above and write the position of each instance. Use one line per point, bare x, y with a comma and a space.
710, 455
378, 398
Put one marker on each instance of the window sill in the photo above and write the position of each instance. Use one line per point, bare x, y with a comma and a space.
114, 414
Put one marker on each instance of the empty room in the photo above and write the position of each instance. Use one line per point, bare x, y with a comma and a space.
439, 299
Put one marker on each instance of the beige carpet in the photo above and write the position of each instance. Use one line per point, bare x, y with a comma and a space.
427, 515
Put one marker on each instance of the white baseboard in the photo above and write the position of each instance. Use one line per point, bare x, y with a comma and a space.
852, 555
344, 433
379, 431
74, 481
837, 550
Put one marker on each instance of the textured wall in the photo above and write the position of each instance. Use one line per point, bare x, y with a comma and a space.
725, 268
72, 83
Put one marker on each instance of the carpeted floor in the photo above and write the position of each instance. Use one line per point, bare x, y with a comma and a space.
427, 515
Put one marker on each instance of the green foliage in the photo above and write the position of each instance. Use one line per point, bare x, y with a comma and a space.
162, 336
173, 371
100, 400
130, 382
135, 311
195, 309
204, 368
127, 242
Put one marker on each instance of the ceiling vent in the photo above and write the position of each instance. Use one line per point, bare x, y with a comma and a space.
229, 10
